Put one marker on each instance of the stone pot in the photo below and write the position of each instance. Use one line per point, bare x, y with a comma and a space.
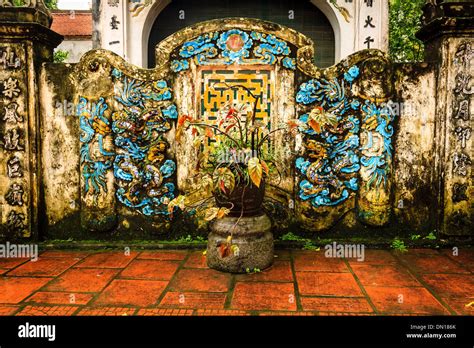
251, 235
245, 200
251, 246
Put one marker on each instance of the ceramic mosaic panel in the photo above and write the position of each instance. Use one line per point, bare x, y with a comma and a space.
124, 135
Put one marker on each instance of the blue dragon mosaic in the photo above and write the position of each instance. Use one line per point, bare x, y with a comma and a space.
143, 175
377, 152
333, 157
234, 46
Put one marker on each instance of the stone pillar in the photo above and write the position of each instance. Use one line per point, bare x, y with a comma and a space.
96, 34
448, 34
110, 23
25, 42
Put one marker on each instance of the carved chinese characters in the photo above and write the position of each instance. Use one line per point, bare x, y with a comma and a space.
12, 140
9, 59
14, 169
10, 88
14, 195
462, 92
114, 23
16, 222
459, 135
11, 116
369, 24
461, 162
13, 131
463, 134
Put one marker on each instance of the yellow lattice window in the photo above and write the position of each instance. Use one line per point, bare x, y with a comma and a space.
214, 92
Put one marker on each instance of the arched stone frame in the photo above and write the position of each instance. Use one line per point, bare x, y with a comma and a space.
343, 31
284, 78
150, 14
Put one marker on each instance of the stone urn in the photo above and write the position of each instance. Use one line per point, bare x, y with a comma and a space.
251, 246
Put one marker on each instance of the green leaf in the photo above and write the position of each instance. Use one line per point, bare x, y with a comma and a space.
404, 22
399, 245
60, 56
431, 236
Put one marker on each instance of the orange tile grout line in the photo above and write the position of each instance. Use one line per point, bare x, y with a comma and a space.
425, 285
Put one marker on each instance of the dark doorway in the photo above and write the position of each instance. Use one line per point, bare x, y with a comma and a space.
308, 19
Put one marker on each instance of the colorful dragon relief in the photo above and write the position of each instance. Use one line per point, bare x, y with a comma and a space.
124, 148
347, 151
344, 149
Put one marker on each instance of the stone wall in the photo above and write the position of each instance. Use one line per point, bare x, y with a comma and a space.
322, 179
381, 148
60, 148
416, 183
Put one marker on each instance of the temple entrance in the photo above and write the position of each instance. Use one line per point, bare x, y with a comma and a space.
302, 16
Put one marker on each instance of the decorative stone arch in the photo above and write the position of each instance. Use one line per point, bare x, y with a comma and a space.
151, 16
336, 20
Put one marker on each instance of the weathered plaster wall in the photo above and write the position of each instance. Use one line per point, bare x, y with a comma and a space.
361, 85
26, 42
96, 186
433, 146
76, 49
416, 182
455, 109
415, 179
60, 148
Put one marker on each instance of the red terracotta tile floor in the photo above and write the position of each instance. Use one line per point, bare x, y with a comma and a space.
179, 283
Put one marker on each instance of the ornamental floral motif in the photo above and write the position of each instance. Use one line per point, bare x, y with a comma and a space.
143, 175
234, 47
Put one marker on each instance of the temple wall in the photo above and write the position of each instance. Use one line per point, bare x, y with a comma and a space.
100, 75
379, 148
